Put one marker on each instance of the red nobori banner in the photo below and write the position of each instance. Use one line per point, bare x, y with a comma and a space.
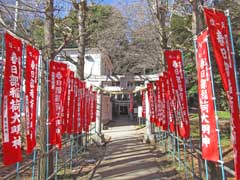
58, 75
219, 33
176, 73
94, 106
86, 100
83, 106
31, 79
70, 111
206, 103
89, 112
143, 104
158, 103
164, 103
168, 109
77, 105
170, 104
11, 137
150, 92
68, 105
131, 103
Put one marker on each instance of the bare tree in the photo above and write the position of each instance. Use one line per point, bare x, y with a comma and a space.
81, 8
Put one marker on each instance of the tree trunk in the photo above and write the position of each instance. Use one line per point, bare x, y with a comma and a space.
197, 17
161, 14
48, 54
82, 33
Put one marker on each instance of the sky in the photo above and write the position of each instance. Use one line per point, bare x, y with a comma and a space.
112, 2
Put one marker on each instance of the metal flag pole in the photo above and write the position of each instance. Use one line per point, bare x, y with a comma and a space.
56, 164
169, 144
185, 162
216, 114
180, 111
233, 55
191, 147
206, 168
47, 120
21, 99
38, 101
1, 67
184, 140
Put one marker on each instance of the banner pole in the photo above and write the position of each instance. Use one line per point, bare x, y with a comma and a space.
179, 163
71, 151
17, 171
1, 67
56, 164
38, 96
233, 55
191, 146
216, 114
77, 142
173, 146
47, 122
169, 144
206, 168
21, 100
185, 162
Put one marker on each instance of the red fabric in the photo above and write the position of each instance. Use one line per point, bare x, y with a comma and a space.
208, 121
68, 105
158, 103
164, 104
220, 37
86, 110
175, 70
58, 76
94, 106
143, 104
83, 107
170, 104
31, 79
150, 92
11, 137
167, 111
131, 103
89, 108
77, 106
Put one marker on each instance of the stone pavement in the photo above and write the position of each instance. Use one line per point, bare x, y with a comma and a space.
127, 158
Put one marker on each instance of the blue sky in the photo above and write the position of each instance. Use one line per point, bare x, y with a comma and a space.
113, 1
108, 1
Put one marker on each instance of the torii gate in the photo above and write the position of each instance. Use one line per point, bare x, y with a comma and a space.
98, 82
